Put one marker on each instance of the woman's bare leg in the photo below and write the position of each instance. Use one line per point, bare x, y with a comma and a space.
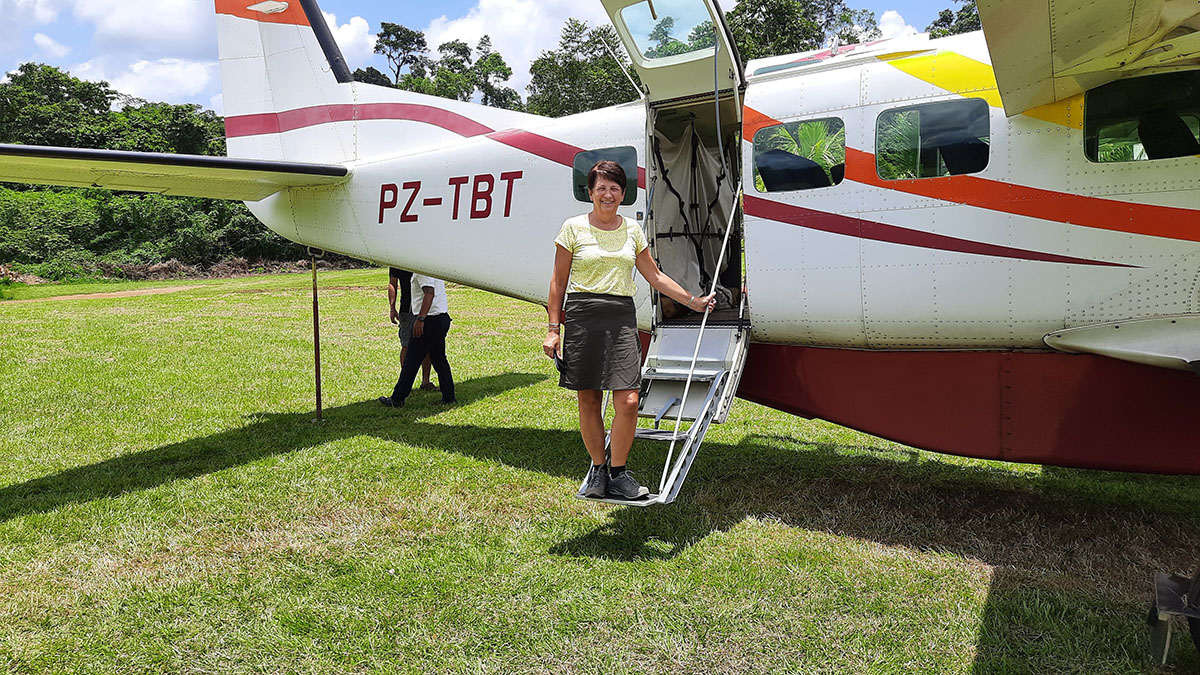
625, 403
591, 423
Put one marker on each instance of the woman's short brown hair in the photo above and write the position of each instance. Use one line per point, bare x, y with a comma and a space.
609, 170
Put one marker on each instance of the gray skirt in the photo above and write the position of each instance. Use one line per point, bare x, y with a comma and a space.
601, 349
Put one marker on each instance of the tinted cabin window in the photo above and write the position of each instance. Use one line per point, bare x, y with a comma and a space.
624, 155
1155, 117
932, 140
800, 155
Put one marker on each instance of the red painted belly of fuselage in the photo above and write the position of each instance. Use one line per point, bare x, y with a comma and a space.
1047, 408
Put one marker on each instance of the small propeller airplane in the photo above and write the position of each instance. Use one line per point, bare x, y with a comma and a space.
984, 245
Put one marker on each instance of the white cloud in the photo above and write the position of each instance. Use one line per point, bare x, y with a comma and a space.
180, 29
167, 79
18, 16
891, 25
36, 11
217, 104
49, 47
520, 29
355, 39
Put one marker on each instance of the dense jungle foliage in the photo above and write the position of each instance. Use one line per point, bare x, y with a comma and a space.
68, 233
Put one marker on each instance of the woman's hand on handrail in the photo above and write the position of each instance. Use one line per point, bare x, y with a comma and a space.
704, 303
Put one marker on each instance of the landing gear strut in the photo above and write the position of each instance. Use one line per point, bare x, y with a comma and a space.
1174, 596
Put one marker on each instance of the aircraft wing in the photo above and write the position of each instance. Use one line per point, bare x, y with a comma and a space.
1048, 50
186, 175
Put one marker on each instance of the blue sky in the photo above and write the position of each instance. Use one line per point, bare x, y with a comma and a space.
165, 50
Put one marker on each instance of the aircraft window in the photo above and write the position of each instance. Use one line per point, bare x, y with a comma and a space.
676, 27
800, 155
624, 155
932, 140
1144, 118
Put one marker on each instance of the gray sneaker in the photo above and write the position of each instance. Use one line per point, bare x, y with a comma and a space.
596, 484
626, 487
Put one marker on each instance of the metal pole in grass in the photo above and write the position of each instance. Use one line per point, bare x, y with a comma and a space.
316, 253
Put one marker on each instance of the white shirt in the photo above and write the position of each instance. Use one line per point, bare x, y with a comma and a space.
420, 282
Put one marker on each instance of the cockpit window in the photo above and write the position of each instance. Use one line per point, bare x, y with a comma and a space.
674, 28
932, 140
1145, 118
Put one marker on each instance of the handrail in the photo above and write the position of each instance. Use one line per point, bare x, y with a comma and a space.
737, 200
709, 400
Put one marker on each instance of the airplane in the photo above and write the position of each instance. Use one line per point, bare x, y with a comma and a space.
984, 245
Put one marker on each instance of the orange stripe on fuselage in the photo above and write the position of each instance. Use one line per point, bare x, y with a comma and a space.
294, 14
752, 121
1062, 207
1022, 200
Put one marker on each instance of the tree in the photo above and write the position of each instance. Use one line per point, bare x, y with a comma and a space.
581, 74
852, 26
490, 73
949, 22
42, 105
764, 28
403, 47
666, 44
452, 74
163, 127
842, 25
702, 36
372, 76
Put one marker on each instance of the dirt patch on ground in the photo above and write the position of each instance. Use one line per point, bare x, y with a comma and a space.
113, 294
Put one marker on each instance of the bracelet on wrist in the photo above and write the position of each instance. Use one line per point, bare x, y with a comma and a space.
553, 327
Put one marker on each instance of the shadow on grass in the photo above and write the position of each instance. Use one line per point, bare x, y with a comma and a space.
266, 435
1071, 552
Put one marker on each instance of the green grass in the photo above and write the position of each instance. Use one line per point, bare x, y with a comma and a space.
168, 504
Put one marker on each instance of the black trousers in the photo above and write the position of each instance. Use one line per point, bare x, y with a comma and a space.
432, 343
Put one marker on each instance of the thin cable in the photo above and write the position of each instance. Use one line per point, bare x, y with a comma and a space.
641, 94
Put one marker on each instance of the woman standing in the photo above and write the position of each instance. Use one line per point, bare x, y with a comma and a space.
595, 254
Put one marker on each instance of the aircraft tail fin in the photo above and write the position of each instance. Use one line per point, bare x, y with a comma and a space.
289, 95
278, 61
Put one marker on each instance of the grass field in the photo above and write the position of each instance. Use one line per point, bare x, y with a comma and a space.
168, 504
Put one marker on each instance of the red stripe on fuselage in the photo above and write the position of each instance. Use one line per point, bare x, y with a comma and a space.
868, 229
273, 123
289, 120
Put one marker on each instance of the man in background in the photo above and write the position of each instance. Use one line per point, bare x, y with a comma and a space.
402, 280
430, 325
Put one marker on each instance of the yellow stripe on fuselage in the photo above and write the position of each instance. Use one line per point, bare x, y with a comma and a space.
958, 74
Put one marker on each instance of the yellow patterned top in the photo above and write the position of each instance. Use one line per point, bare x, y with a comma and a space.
601, 261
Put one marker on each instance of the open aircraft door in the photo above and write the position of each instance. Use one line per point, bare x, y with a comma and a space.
680, 49
692, 77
